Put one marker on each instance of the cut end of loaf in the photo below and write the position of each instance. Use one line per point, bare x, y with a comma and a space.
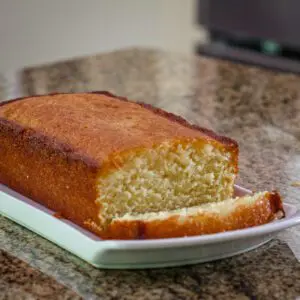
166, 177
222, 209
230, 214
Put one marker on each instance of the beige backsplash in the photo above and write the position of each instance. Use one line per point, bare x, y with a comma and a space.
2, 87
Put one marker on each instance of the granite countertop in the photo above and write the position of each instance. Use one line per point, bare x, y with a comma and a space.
258, 108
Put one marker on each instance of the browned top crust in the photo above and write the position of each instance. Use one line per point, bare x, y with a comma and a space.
104, 124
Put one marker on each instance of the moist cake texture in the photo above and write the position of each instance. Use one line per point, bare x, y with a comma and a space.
208, 218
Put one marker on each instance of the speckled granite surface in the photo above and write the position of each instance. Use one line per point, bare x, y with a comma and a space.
259, 108
18, 281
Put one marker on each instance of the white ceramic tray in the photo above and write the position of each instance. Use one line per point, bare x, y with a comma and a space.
139, 253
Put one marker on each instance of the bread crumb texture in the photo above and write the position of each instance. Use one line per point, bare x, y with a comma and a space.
170, 176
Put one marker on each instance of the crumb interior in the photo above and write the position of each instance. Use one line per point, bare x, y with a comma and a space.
222, 208
167, 177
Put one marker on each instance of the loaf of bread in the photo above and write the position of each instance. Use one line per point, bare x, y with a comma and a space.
116, 167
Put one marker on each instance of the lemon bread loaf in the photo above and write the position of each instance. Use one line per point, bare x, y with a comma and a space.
96, 159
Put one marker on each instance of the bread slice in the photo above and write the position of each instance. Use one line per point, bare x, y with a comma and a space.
95, 158
230, 214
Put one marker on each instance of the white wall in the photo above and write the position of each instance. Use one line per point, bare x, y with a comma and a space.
39, 31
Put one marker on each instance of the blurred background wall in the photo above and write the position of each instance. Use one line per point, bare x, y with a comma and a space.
40, 31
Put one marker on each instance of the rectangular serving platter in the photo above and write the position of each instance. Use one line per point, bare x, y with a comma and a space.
118, 254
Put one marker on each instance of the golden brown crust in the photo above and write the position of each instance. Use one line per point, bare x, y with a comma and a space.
85, 142
264, 210
175, 118
44, 156
170, 116
30, 165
